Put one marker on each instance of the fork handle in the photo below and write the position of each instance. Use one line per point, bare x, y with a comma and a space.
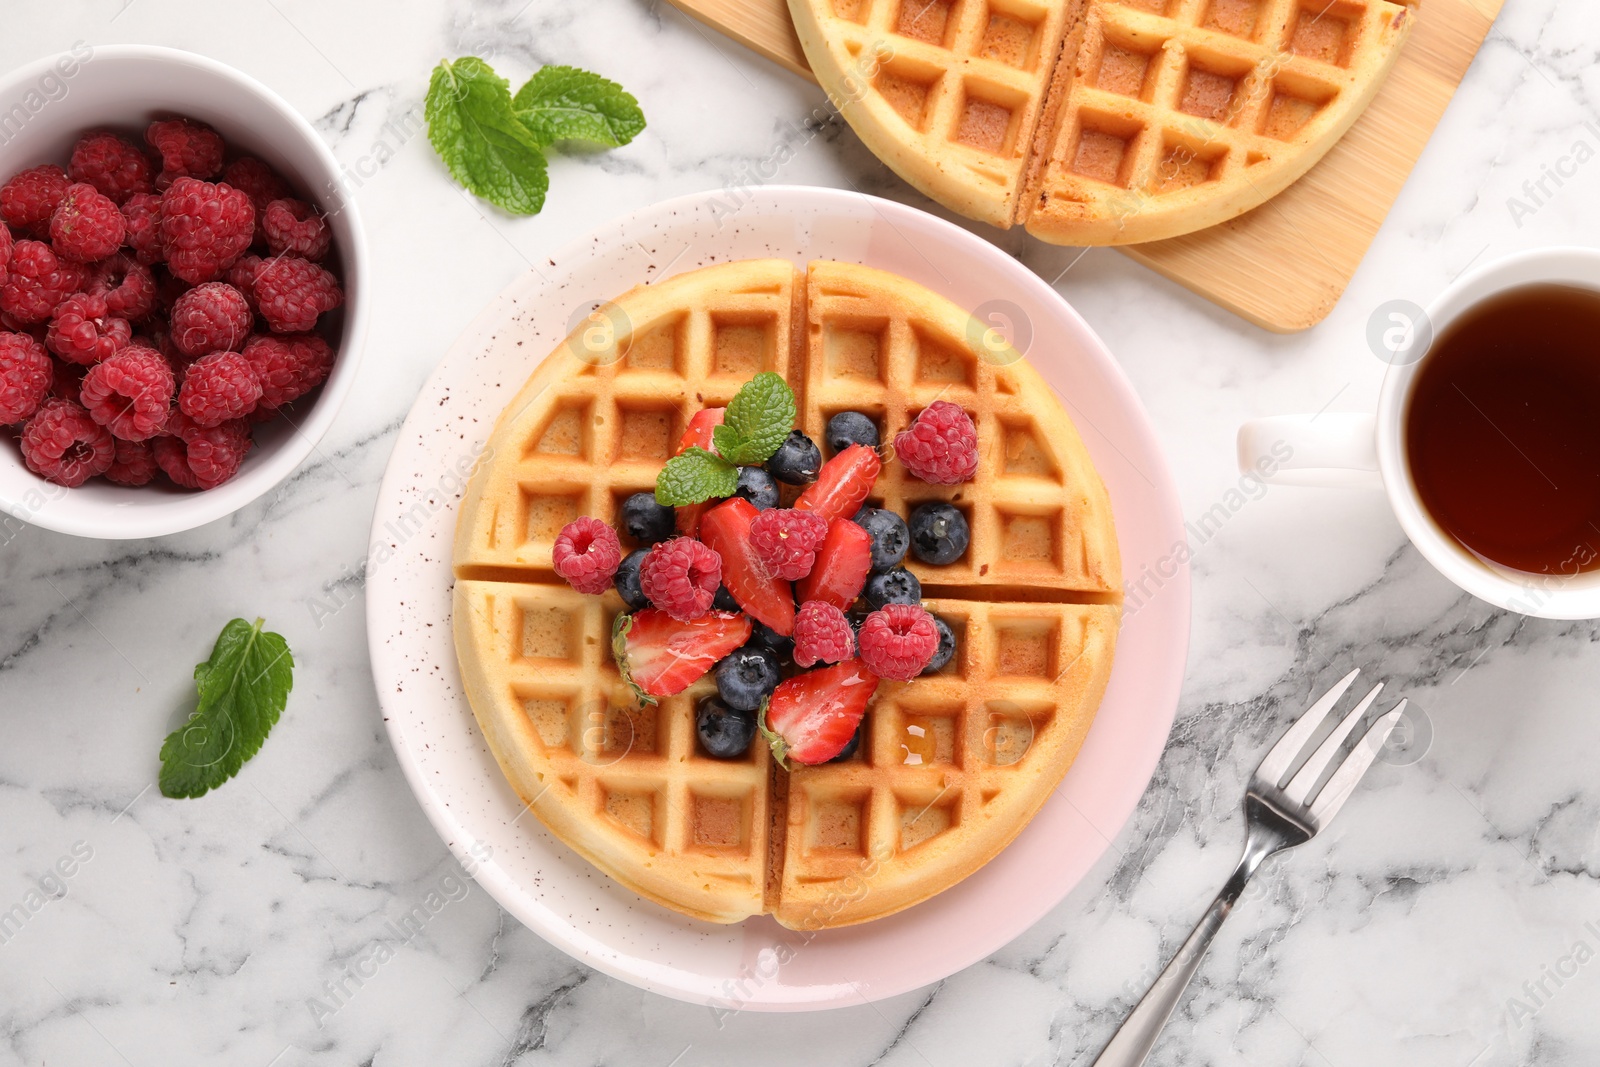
1137, 1036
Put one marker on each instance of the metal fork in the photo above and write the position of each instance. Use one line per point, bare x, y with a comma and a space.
1279, 817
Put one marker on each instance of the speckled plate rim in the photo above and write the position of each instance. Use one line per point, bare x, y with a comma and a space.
757, 964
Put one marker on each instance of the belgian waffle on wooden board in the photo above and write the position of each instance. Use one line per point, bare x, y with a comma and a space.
951, 766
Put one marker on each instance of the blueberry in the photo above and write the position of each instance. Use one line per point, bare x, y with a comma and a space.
627, 580
946, 649
725, 733
771, 640
939, 534
851, 428
747, 676
796, 461
897, 586
851, 745
724, 600
757, 486
890, 538
646, 521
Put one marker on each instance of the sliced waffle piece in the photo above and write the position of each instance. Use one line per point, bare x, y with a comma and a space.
951, 766
624, 785
1039, 513
1169, 116
600, 417
946, 92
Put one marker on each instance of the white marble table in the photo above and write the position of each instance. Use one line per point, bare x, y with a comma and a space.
1451, 917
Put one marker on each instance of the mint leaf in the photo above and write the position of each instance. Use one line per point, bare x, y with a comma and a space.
694, 477
472, 127
568, 104
758, 420
243, 688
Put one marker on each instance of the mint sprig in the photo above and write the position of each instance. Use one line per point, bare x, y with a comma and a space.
494, 144
243, 689
758, 419
694, 477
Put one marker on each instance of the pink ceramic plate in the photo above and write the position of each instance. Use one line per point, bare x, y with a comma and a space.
757, 964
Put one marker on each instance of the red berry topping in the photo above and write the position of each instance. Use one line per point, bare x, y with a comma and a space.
659, 655
292, 292
83, 330
842, 484
294, 227
25, 377
115, 167
786, 541
768, 598
131, 393
217, 388
898, 640
187, 149
822, 634
198, 458
209, 318
28, 200
64, 445
288, 365
37, 281
142, 214
681, 577
127, 285
941, 445
843, 562
811, 717
87, 225
205, 228
586, 554
242, 276
134, 465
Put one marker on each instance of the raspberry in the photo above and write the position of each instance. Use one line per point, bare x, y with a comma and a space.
288, 365
25, 376
5, 250
260, 182
217, 388
29, 199
293, 226
64, 445
131, 393
127, 285
142, 213
941, 446
38, 281
292, 292
209, 318
188, 150
786, 541
87, 224
822, 634
586, 554
681, 577
897, 641
242, 276
133, 465
114, 166
205, 228
198, 458
84, 331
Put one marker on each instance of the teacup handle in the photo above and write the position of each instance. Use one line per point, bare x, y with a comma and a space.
1334, 449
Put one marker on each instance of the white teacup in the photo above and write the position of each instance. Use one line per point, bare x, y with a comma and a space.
1352, 449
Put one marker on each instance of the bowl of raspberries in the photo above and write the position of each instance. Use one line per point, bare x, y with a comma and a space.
180, 304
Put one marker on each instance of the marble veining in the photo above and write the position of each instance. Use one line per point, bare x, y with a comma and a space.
307, 912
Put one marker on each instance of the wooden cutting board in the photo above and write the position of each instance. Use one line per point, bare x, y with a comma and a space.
1284, 265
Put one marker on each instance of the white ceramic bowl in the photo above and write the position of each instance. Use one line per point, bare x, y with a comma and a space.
44, 108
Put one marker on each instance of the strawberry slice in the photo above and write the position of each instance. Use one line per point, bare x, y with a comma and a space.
726, 531
698, 434
843, 484
843, 560
811, 717
660, 656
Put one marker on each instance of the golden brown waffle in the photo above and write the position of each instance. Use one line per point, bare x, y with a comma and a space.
1125, 120
985, 741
